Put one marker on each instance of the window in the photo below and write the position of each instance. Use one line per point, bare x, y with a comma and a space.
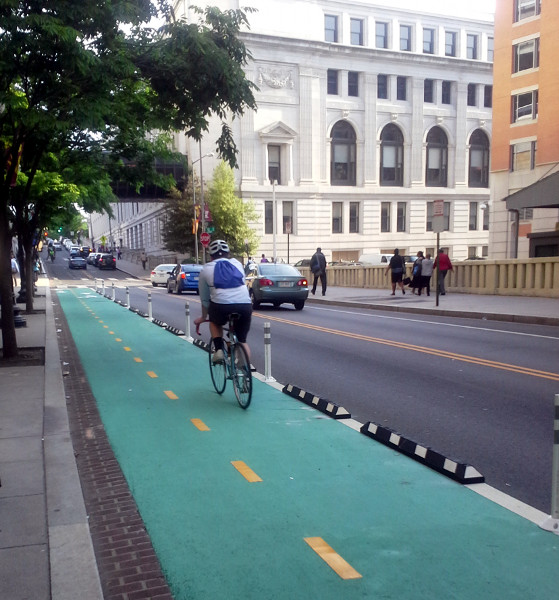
381, 35
525, 214
524, 9
353, 83
472, 93
450, 43
478, 172
287, 208
268, 217
401, 217
437, 158
526, 55
488, 96
330, 28
385, 217
382, 87
337, 213
428, 41
428, 90
446, 97
342, 166
274, 171
391, 156
401, 88
485, 209
356, 32
525, 106
472, 251
354, 217
472, 221
490, 49
471, 46
332, 82
446, 217
405, 38
523, 156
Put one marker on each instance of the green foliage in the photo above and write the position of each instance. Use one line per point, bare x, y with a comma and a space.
231, 214
177, 230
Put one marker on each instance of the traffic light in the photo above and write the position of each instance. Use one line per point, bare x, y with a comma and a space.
60, 230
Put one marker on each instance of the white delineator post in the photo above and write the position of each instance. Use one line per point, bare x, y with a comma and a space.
187, 327
552, 522
103, 287
127, 297
150, 310
268, 352
113, 295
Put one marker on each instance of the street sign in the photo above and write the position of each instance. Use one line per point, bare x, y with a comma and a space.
438, 216
205, 239
210, 228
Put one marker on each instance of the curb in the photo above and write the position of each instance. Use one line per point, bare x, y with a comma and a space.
323, 405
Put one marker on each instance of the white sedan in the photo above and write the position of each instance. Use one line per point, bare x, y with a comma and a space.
160, 274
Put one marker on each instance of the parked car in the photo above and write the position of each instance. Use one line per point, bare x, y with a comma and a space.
107, 261
160, 275
277, 284
304, 262
93, 258
84, 251
184, 278
77, 262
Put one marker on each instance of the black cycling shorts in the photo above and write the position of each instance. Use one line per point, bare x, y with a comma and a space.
219, 314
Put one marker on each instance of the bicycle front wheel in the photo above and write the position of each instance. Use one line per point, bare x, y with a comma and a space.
218, 371
242, 376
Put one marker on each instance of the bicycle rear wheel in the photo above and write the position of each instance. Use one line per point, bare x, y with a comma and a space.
218, 371
242, 376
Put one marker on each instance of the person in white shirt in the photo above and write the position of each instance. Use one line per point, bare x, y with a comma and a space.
223, 291
15, 270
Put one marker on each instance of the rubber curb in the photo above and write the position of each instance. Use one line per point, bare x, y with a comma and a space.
201, 344
323, 405
461, 472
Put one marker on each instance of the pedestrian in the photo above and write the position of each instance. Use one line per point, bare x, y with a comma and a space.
264, 259
426, 272
119, 253
15, 269
397, 266
144, 259
443, 264
318, 269
416, 274
251, 265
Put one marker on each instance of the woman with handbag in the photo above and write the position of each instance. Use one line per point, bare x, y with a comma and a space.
417, 281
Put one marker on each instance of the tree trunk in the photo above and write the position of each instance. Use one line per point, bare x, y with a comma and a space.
30, 284
9, 341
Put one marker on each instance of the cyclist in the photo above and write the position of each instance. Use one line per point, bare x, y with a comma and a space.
223, 291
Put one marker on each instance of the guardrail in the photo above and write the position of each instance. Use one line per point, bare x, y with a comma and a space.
537, 277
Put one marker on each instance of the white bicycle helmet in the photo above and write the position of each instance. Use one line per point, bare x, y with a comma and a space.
218, 246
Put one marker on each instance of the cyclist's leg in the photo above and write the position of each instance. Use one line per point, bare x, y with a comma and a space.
242, 325
217, 315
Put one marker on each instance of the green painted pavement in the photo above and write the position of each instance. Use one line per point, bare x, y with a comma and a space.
411, 533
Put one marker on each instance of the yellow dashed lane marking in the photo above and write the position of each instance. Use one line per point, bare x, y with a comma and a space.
245, 471
152, 374
127, 348
118, 340
105, 326
138, 359
111, 332
332, 558
199, 424
171, 395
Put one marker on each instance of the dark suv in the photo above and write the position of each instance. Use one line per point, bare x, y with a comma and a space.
107, 261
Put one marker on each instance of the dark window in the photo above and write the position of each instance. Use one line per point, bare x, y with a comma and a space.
337, 217
428, 90
401, 217
268, 216
471, 46
353, 83
437, 158
287, 206
450, 43
478, 174
401, 88
356, 32
472, 93
330, 28
405, 38
382, 86
391, 156
274, 170
428, 41
354, 217
381, 35
524, 9
472, 221
332, 82
526, 55
385, 217
342, 167
485, 223
525, 106
446, 97
488, 96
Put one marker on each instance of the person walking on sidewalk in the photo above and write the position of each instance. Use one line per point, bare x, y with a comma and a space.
397, 266
15, 270
144, 259
417, 282
318, 269
442, 262
426, 273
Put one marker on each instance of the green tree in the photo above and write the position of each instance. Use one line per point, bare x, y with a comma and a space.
78, 92
231, 215
178, 228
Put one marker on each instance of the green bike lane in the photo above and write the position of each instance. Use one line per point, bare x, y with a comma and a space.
383, 525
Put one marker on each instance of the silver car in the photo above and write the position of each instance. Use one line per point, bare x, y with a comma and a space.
160, 275
277, 284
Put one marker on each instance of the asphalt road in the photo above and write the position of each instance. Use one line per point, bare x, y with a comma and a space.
479, 393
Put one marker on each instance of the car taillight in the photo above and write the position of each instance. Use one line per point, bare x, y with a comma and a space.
266, 282
183, 275
153, 272
302, 282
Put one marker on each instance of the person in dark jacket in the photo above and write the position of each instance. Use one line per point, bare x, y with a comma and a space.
318, 269
397, 266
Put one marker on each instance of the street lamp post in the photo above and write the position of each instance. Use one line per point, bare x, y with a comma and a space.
201, 201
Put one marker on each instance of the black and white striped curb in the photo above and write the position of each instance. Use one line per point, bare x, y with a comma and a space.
201, 344
174, 330
461, 472
323, 405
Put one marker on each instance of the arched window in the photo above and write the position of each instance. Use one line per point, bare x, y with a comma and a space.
478, 173
342, 165
437, 158
391, 156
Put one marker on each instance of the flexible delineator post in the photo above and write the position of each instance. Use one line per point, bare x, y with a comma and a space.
127, 297
113, 296
187, 317
552, 522
150, 310
268, 352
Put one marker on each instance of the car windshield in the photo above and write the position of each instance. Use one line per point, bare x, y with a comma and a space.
271, 270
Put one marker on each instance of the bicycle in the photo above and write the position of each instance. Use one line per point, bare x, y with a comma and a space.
235, 365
